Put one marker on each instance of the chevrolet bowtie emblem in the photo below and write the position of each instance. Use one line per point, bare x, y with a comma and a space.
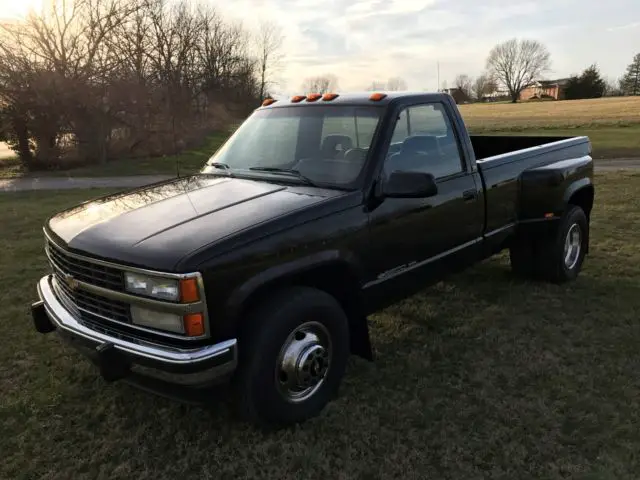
71, 282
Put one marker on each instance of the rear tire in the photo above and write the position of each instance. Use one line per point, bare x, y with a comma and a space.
293, 355
556, 256
562, 254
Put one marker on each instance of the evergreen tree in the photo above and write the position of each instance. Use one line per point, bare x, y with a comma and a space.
631, 81
589, 84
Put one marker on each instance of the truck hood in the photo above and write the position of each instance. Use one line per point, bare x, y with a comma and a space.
158, 225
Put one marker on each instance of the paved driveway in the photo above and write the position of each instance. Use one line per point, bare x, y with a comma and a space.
63, 183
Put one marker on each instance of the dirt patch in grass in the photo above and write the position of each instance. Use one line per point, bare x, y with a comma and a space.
481, 376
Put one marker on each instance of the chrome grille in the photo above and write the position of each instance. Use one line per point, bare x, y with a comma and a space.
85, 271
86, 305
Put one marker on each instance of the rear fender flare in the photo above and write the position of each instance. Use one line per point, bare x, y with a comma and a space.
573, 188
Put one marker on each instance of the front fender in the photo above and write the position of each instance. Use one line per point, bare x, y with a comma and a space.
288, 270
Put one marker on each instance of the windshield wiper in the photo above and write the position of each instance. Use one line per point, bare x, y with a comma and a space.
286, 171
221, 165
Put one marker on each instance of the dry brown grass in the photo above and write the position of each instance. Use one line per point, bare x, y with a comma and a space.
616, 111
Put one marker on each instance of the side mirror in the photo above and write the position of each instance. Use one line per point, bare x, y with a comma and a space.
402, 184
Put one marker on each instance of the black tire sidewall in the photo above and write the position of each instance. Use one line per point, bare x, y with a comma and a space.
271, 324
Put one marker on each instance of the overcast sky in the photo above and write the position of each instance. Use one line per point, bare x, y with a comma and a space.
365, 40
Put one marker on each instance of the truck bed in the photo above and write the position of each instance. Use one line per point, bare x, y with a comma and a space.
486, 146
511, 169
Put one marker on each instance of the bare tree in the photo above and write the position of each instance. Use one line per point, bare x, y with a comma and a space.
464, 84
376, 85
86, 78
269, 42
483, 85
396, 84
320, 84
479, 88
66, 54
516, 64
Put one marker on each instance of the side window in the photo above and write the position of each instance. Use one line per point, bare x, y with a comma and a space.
423, 140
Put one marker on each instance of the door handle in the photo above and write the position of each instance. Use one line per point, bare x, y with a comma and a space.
469, 195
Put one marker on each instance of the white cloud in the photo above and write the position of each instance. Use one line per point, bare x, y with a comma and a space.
365, 40
624, 27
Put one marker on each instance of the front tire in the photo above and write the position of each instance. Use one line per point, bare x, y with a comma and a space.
293, 354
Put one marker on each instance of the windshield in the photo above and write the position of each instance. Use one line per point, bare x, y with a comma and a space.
324, 144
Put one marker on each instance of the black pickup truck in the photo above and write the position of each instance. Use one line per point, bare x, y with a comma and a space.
260, 271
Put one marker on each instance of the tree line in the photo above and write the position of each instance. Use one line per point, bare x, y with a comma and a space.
510, 68
87, 80
516, 64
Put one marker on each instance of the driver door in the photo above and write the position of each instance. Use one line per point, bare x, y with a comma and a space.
416, 240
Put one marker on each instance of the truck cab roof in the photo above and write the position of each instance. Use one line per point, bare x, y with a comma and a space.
380, 98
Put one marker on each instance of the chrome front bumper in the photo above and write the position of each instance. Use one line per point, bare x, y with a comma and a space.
120, 357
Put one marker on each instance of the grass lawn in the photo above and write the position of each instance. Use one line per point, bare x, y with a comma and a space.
481, 376
610, 111
607, 142
612, 124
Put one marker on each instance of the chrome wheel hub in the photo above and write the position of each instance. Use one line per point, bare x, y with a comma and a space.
572, 246
303, 362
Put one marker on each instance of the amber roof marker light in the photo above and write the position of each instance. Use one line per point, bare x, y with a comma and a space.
312, 97
327, 97
376, 97
268, 101
298, 98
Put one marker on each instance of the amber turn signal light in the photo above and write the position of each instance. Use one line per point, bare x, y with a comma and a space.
189, 290
194, 324
376, 97
327, 97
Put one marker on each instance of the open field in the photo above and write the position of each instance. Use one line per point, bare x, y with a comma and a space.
608, 142
566, 114
481, 376
613, 125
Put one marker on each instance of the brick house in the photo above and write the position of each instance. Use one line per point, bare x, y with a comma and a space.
545, 88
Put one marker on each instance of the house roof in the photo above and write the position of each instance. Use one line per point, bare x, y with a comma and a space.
551, 83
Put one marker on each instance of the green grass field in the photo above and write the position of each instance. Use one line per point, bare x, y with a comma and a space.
480, 376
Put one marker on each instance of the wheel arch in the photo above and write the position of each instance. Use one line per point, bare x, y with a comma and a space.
581, 194
333, 272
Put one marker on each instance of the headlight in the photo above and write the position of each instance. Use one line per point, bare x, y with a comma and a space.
159, 320
156, 287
